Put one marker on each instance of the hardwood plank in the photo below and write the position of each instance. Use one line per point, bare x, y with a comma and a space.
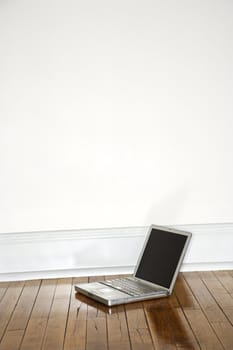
76, 326
36, 327
118, 334
224, 331
226, 279
139, 332
222, 297
159, 325
217, 320
44, 298
3, 289
52, 316
196, 314
183, 334
18, 322
169, 327
55, 331
185, 297
212, 311
203, 331
204, 297
96, 324
24, 306
8, 303
12, 340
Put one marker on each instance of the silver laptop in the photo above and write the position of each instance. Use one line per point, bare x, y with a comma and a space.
155, 273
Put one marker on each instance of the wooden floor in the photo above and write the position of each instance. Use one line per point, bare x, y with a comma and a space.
46, 314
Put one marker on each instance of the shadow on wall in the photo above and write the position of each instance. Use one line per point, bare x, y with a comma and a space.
169, 209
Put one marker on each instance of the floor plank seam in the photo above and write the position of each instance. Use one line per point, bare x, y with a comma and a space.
183, 309
186, 318
30, 315
127, 322
7, 286
210, 323
12, 312
231, 295
148, 326
68, 312
45, 331
224, 312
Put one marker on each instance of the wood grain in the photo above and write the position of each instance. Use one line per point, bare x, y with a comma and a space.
8, 304
18, 322
3, 289
215, 316
169, 327
219, 293
49, 315
139, 332
35, 331
117, 328
96, 325
77, 320
56, 326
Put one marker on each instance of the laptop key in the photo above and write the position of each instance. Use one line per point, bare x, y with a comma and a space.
129, 286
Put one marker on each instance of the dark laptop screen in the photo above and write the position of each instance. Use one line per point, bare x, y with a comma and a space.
161, 256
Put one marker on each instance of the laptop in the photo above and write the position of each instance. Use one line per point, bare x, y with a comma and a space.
155, 273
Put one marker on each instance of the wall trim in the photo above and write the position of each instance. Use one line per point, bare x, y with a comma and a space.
110, 232
60, 235
53, 254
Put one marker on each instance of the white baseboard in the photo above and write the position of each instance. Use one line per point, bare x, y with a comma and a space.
52, 254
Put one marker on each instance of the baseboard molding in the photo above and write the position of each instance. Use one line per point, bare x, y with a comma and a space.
54, 254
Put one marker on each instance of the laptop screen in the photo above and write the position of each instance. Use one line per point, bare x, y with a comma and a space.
161, 257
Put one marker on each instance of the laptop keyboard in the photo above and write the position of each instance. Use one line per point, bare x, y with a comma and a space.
129, 286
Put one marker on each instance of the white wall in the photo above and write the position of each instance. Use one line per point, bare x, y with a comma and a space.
115, 113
